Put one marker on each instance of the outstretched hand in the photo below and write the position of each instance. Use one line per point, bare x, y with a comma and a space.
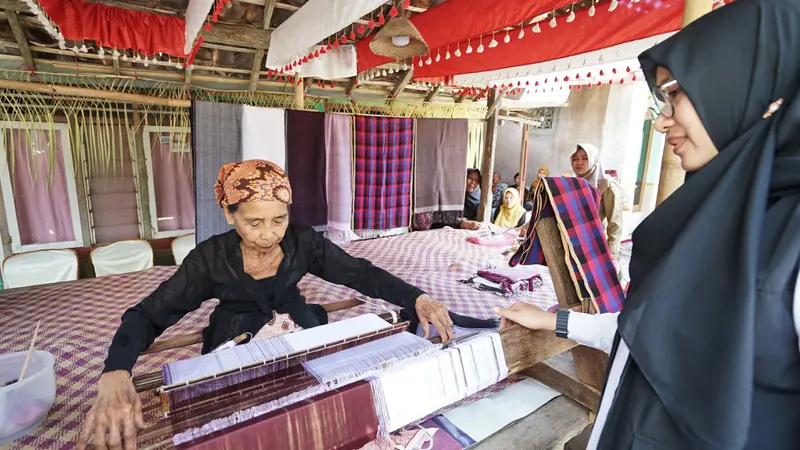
429, 312
117, 407
527, 315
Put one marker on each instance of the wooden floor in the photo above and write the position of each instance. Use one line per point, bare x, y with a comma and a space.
548, 428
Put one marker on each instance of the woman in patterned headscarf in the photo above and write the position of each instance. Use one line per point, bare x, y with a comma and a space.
253, 270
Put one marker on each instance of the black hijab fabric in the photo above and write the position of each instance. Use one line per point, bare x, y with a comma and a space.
732, 230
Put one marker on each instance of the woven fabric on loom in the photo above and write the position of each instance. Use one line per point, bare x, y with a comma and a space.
441, 155
287, 386
383, 172
574, 203
342, 418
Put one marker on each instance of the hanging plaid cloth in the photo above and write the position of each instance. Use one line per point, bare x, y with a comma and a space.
574, 203
383, 172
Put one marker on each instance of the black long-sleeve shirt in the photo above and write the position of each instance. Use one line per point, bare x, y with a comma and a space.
214, 269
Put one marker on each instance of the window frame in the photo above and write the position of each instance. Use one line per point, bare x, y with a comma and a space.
72, 191
151, 189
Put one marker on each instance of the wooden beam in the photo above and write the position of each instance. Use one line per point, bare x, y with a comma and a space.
14, 5
22, 40
299, 94
228, 48
523, 162
432, 93
492, 106
351, 86
590, 363
524, 348
239, 36
487, 167
461, 97
258, 58
548, 428
143, 185
402, 83
93, 93
552, 373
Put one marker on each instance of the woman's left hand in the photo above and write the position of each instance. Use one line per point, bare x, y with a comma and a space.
429, 312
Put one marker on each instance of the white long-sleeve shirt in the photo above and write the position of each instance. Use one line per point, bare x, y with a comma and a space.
598, 331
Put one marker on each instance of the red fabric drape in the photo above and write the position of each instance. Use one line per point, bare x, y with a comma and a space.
146, 32
585, 34
458, 20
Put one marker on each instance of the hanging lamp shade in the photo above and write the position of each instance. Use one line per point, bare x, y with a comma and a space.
399, 39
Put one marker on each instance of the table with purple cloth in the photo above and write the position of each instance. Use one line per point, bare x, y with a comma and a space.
80, 318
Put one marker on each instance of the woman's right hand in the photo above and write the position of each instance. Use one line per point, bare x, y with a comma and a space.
117, 407
470, 225
527, 315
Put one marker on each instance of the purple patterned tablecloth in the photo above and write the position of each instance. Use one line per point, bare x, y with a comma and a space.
79, 319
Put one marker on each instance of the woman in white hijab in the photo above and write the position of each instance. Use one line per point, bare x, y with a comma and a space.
586, 164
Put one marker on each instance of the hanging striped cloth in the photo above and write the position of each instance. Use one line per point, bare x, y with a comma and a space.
574, 203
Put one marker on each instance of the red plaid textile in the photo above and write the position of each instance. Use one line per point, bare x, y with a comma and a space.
383, 173
576, 203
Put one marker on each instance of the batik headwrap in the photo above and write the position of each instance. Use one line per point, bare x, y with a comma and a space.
252, 180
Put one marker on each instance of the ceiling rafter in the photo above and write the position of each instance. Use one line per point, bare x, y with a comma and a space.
258, 58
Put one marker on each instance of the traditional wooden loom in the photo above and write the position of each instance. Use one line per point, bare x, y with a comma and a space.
525, 352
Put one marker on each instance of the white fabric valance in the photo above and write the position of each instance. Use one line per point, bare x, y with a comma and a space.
196, 13
335, 63
312, 23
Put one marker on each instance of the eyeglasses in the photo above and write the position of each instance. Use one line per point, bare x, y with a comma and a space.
663, 96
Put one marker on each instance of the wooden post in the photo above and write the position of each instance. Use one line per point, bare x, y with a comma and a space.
485, 208
142, 185
590, 363
299, 94
523, 162
672, 174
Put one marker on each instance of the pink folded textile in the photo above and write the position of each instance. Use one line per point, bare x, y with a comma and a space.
506, 239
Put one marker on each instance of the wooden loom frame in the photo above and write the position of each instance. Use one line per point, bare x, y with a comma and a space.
526, 351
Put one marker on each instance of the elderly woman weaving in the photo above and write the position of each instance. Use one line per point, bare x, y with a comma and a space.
253, 270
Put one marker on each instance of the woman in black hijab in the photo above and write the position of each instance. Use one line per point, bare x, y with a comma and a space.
707, 353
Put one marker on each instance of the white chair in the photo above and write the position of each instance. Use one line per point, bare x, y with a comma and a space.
181, 246
40, 267
122, 257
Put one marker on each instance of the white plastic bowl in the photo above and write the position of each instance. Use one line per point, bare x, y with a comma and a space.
24, 405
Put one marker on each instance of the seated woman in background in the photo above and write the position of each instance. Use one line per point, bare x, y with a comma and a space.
586, 163
253, 270
543, 172
705, 353
516, 185
511, 214
498, 189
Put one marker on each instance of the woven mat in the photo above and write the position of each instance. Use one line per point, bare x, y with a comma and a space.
79, 319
